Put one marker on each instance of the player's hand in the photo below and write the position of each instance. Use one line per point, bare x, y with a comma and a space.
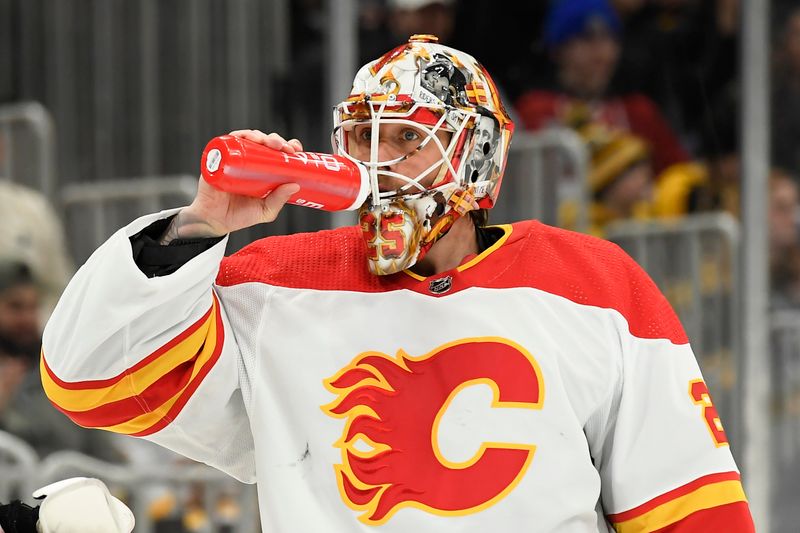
214, 213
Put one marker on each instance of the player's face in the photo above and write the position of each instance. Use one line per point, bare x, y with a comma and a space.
19, 319
398, 140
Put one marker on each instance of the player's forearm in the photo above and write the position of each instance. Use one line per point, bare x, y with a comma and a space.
188, 224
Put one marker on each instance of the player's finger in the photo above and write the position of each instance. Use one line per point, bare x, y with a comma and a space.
271, 140
252, 135
276, 199
296, 144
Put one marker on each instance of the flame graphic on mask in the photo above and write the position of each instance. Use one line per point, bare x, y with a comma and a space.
394, 405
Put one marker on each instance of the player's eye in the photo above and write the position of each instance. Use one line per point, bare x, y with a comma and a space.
410, 135
365, 134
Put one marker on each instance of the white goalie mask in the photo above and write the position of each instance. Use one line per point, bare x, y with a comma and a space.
434, 113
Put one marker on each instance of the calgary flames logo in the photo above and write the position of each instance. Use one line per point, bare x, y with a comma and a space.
394, 406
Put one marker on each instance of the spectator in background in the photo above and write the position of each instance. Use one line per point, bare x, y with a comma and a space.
25, 411
709, 184
620, 180
583, 39
622, 184
784, 246
786, 95
33, 234
712, 182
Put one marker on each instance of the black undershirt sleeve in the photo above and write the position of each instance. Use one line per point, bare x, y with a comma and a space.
155, 259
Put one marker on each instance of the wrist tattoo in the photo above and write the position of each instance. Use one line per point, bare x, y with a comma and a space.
171, 232
186, 225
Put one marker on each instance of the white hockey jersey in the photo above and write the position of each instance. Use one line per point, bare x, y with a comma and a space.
544, 385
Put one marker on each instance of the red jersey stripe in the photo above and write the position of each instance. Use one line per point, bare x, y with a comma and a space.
678, 505
121, 411
101, 383
671, 495
171, 390
730, 518
190, 389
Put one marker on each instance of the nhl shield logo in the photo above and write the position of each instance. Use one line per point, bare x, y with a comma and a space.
441, 285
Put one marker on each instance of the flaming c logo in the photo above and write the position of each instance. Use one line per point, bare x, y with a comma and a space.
394, 406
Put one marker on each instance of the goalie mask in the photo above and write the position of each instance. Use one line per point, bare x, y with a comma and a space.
427, 123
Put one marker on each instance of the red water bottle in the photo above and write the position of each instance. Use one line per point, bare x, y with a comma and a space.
328, 182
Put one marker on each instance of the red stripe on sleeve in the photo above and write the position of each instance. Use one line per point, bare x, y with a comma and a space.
113, 413
101, 383
671, 495
730, 518
191, 388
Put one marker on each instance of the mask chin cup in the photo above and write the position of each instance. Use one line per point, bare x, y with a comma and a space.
400, 233
392, 233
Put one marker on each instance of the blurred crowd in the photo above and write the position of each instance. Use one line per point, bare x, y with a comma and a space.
651, 87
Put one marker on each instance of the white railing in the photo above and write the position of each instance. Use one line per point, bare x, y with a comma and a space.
544, 170
27, 146
17, 461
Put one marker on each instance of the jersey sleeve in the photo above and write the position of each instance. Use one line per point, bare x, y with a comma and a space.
150, 357
661, 450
